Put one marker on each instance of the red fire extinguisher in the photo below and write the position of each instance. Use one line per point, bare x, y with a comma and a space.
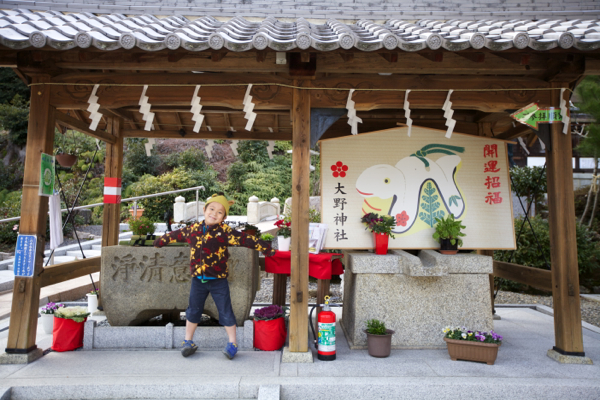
326, 326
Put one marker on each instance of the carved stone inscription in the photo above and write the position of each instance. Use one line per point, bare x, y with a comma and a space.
139, 283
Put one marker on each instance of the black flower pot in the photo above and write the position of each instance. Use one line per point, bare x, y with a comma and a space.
446, 246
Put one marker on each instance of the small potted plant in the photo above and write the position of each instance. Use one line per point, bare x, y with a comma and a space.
142, 229
269, 327
47, 316
464, 344
93, 301
448, 232
381, 226
267, 237
251, 230
65, 155
68, 328
284, 234
379, 338
136, 211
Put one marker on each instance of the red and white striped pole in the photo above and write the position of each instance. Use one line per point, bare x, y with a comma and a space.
112, 190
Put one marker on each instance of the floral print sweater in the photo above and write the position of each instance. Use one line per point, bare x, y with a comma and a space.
208, 247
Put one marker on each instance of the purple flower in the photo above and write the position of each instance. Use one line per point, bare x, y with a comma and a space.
268, 313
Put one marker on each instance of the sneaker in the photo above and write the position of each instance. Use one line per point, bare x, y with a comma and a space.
188, 348
230, 350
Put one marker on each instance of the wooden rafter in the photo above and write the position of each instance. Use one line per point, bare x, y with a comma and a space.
214, 134
80, 126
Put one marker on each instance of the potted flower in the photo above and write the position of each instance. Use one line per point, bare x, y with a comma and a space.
381, 226
379, 338
142, 229
448, 232
136, 211
64, 153
267, 237
47, 316
284, 234
251, 230
93, 300
269, 328
68, 328
464, 344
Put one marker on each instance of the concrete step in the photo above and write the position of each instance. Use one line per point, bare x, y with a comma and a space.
6, 280
97, 247
88, 253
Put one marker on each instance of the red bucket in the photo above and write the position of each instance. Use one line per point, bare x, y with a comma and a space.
269, 335
381, 243
67, 334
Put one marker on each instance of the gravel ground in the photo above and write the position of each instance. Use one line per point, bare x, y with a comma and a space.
590, 310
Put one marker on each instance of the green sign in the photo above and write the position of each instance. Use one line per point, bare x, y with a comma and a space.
47, 175
532, 115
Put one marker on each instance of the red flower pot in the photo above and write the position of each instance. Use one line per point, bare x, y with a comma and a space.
269, 335
67, 334
381, 243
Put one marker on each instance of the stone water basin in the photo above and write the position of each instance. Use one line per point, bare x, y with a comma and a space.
139, 283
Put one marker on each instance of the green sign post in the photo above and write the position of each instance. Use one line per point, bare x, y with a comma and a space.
532, 115
47, 175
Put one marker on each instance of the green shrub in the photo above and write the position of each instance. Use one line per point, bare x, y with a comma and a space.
529, 253
14, 118
376, 327
179, 178
141, 226
192, 159
136, 160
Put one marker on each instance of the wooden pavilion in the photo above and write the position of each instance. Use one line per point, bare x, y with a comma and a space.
493, 67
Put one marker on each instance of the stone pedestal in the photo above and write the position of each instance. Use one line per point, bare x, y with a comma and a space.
415, 296
138, 283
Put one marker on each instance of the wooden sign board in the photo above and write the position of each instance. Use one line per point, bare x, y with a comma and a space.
416, 179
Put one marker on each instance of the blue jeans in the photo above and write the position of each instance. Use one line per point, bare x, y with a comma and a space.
219, 290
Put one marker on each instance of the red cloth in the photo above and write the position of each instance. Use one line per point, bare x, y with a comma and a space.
269, 335
320, 266
67, 334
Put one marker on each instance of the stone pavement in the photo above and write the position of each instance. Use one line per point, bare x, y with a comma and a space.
522, 370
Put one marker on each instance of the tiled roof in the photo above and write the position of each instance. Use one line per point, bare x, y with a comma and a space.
347, 11
21, 29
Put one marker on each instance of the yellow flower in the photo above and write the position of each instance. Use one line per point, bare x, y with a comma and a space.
470, 333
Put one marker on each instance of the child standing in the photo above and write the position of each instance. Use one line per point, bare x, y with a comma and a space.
208, 265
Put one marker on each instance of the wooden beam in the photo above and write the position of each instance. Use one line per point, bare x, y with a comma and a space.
489, 253
238, 135
517, 131
489, 96
178, 120
261, 56
592, 66
390, 57
113, 168
474, 57
69, 270
436, 57
299, 67
534, 277
34, 208
217, 56
73, 123
347, 57
563, 241
300, 195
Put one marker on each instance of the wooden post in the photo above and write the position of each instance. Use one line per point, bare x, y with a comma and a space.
300, 196
34, 211
113, 168
279, 288
563, 242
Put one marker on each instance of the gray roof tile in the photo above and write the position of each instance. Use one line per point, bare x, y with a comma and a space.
22, 28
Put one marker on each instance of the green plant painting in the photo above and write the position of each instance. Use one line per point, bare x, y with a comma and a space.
430, 205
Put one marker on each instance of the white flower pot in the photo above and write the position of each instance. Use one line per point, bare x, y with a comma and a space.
47, 323
283, 244
92, 303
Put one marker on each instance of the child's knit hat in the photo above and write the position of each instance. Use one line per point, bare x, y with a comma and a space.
220, 198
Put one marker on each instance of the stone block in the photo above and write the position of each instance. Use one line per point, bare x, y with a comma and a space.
458, 263
417, 308
21, 358
139, 283
296, 357
365, 263
269, 392
88, 334
169, 336
563, 359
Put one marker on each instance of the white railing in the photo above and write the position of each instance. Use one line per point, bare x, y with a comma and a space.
134, 199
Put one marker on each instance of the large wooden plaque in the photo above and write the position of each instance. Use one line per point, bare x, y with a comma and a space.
416, 179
